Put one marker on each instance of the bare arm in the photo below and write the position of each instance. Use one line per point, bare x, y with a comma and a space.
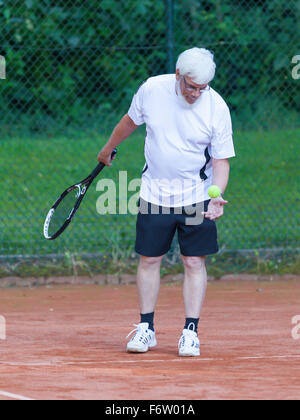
220, 178
122, 130
220, 173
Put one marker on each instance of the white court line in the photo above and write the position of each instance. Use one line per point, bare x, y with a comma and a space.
15, 396
136, 361
182, 359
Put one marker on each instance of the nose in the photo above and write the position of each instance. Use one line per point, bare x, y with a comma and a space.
196, 93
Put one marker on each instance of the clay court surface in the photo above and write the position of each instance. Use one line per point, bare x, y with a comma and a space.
68, 342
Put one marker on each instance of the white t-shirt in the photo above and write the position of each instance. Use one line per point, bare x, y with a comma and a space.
180, 141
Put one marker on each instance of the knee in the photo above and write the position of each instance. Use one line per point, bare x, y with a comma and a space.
150, 261
193, 263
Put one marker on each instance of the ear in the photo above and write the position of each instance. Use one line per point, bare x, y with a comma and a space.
177, 74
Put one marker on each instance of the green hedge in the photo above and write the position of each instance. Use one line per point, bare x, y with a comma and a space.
78, 62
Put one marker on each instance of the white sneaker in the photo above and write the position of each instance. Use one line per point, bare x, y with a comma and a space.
143, 339
189, 344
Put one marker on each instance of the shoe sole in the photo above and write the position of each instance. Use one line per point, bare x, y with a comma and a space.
131, 350
137, 350
188, 354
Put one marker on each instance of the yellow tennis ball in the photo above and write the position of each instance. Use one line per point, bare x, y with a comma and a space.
214, 191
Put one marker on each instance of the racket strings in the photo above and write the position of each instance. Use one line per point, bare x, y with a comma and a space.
63, 211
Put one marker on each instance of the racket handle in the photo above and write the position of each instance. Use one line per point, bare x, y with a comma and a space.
101, 165
113, 153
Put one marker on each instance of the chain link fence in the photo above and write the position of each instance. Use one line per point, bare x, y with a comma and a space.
69, 70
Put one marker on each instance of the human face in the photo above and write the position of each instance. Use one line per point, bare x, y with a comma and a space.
190, 90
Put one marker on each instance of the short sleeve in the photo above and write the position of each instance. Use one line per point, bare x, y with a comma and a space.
135, 111
222, 146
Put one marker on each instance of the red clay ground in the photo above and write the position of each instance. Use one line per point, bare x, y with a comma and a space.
68, 342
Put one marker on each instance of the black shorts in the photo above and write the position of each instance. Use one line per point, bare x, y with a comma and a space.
156, 227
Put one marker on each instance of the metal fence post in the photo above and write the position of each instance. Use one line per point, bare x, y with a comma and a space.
170, 34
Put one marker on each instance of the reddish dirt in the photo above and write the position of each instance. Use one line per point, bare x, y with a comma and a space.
68, 342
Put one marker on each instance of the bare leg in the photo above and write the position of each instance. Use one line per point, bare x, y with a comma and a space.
194, 288
148, 282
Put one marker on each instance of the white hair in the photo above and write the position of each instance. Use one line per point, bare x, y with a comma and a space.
198, 64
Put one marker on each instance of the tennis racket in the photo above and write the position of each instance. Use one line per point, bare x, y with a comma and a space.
66, 206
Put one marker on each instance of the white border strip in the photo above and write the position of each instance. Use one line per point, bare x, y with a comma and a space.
15, 396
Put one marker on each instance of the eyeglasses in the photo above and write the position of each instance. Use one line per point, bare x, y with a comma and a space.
191, 88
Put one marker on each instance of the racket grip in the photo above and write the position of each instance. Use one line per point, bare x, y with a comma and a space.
101, 165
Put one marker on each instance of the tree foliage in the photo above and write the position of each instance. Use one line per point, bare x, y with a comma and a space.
76, 62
